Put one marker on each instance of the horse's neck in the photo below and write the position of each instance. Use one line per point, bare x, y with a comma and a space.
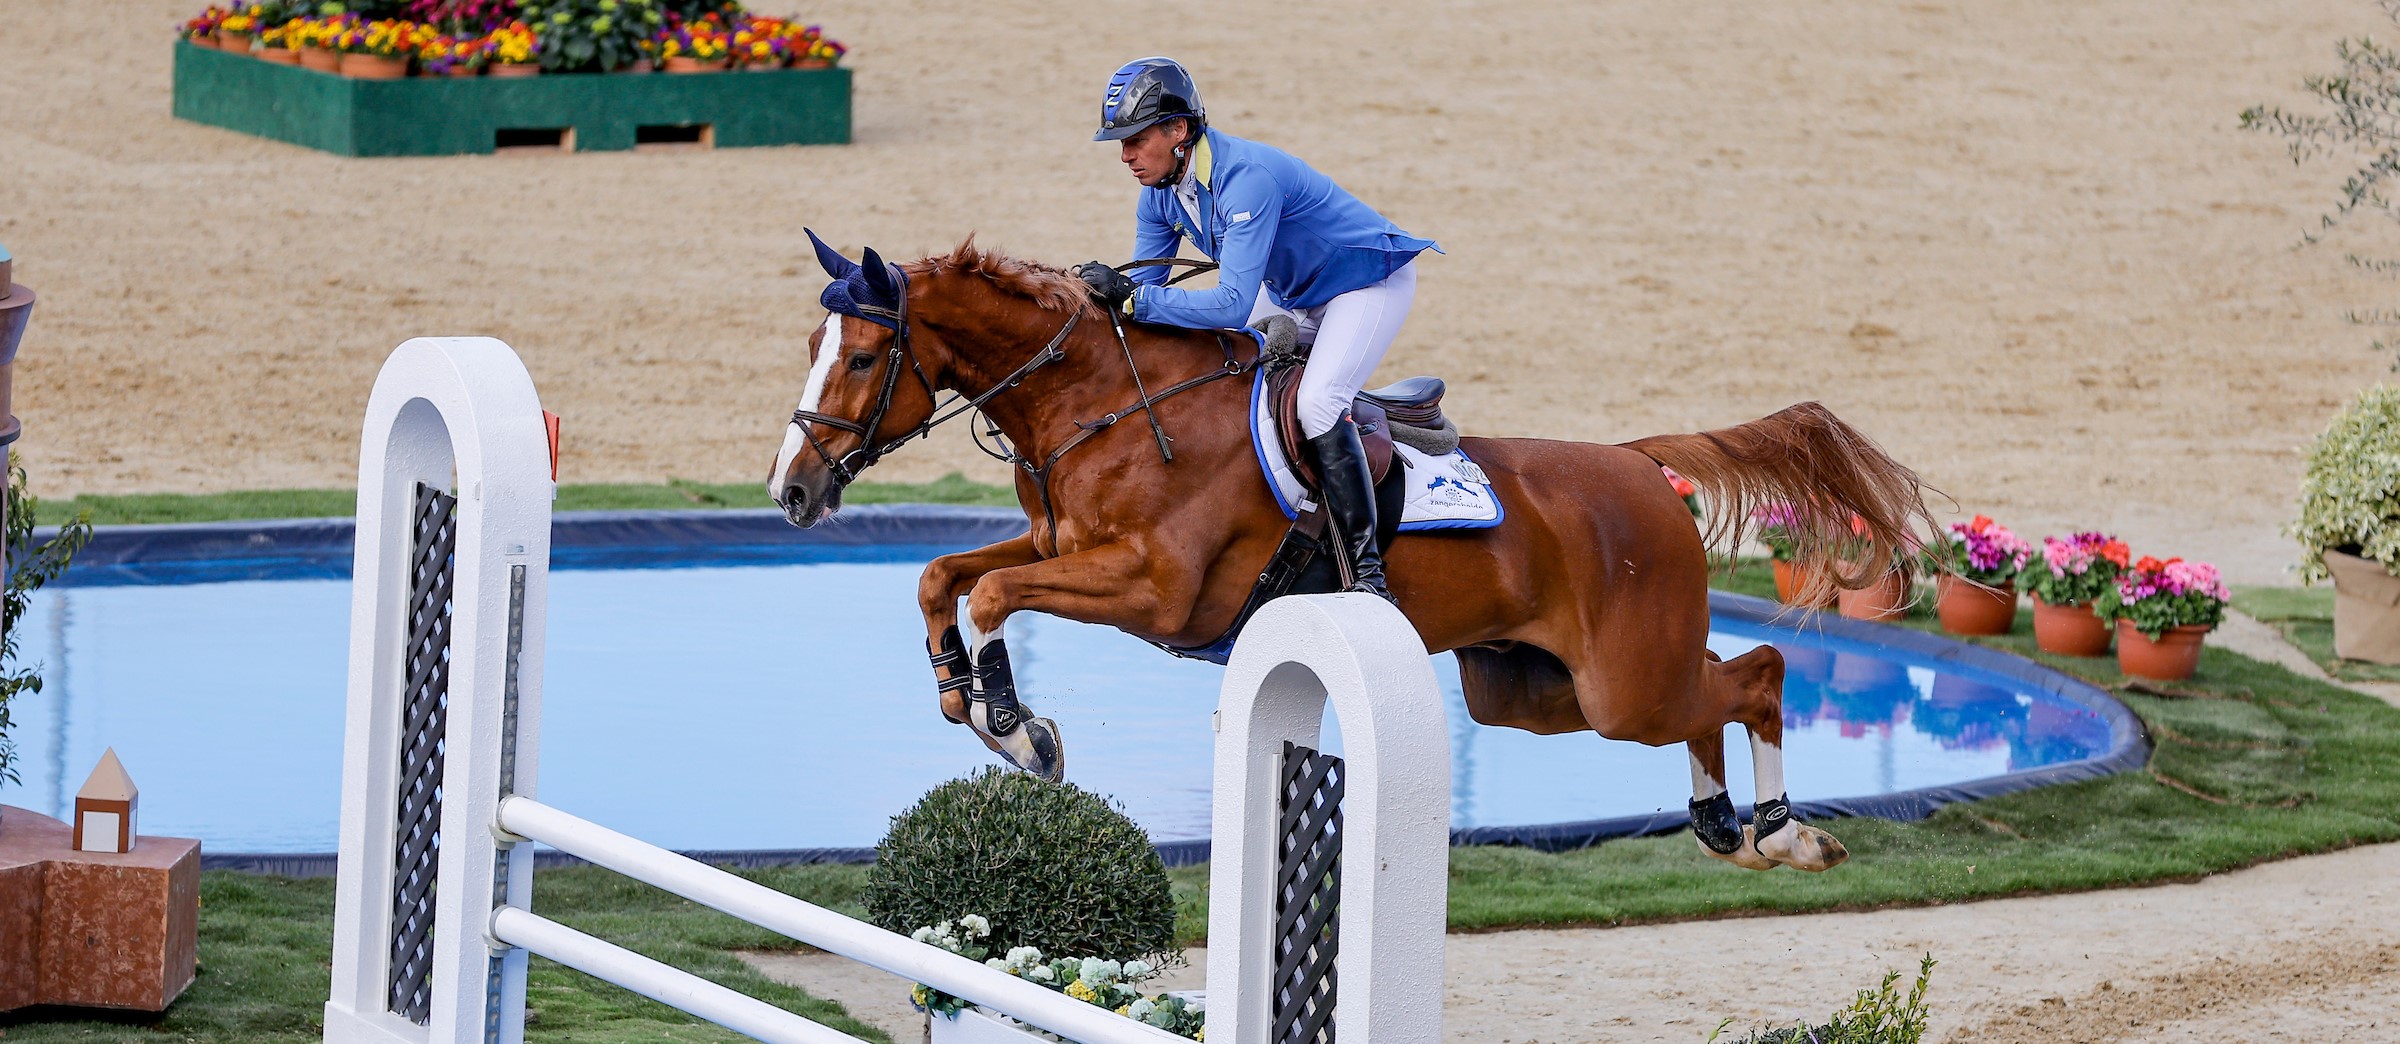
1091, 381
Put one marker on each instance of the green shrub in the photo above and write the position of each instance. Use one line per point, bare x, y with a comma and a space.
1049, 864
1876, 1016
30, 567
2350, 487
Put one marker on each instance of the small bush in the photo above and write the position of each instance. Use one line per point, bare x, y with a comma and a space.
2350, 486
1876, 1016
1050, 865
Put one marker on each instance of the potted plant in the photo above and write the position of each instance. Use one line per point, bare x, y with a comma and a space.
1779, 528
1883, 598
319, 40
202, 29
1976, 568
2349, 524
380, 50
2064, 580
512, 50
236, 30
1008, 867
812, 50
590, 35
759, 43
447, 55
280, 44
694, 48
2162, 610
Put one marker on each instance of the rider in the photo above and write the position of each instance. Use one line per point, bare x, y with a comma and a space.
1286, 239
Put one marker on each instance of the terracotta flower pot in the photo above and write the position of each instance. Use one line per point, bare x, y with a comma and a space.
505, 70
2173, 656
238, 43
811, 63
695, 65
1881, 600
2069, 630
374, 67
460, 71
279, 56
1789, 579
1967, 607
320, 59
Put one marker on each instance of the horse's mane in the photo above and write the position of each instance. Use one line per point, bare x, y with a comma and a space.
1053, 289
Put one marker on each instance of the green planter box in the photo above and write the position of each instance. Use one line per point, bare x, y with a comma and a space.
426, 116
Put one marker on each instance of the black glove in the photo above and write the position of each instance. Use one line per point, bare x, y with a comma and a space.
1109, 287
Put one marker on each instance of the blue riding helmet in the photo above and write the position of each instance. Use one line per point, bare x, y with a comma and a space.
1144, 92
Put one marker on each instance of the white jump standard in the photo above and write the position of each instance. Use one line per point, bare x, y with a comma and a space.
433, 925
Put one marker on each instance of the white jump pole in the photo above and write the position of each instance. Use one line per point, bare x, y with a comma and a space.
425, 964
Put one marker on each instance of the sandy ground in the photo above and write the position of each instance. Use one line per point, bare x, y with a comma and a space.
2289, 951
2019, 241
2295, 951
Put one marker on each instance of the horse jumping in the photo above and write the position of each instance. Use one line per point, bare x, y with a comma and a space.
1586, 610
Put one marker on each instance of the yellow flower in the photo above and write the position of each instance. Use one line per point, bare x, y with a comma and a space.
1081, 992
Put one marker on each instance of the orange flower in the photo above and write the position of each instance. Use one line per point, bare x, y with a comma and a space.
2116, 551
1980, 524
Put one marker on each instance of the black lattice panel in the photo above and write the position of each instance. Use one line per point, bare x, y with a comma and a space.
1308, 889
426, 702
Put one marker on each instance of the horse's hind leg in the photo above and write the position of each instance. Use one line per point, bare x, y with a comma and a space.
1772, 832
1720, 833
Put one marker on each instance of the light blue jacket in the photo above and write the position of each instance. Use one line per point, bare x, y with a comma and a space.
1270, 222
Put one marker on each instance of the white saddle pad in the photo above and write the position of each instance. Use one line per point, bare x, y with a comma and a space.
1445, 492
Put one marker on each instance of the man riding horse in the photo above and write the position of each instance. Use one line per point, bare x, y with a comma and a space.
1285, 239
1584, 609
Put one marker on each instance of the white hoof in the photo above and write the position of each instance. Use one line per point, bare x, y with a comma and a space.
1803, 847
1748, 857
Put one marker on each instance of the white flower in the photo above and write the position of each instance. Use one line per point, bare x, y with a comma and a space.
923, 935
1025, 955
1141, 1009
1099, 972
1136, 971
1040, 973
976, 926
996, 964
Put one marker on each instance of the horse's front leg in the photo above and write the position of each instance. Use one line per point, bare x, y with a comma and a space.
938, 590
1115, 585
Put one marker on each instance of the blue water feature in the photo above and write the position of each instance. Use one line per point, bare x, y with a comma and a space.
780, 698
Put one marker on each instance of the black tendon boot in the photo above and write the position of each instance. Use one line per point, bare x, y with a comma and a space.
1349, 492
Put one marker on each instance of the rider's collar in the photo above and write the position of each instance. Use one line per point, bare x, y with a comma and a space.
869, 291
1203, 164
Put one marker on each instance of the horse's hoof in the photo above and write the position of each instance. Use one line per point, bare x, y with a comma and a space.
1747, 856
1803, 847
1049, 753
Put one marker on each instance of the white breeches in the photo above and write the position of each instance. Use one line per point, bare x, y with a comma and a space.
1351, 333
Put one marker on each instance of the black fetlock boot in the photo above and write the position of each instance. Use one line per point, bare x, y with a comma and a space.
1349, 493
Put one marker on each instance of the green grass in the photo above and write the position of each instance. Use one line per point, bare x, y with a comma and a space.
2253, 763
125, 508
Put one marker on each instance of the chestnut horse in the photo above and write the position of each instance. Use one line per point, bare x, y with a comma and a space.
1587, 609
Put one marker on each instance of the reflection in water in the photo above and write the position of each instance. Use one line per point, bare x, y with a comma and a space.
668, 689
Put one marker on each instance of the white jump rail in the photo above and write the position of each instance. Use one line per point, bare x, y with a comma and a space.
432, 935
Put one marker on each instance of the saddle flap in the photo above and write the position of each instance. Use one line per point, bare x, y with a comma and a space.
1374, 429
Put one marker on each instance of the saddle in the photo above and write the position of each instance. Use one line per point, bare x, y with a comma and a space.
1408, 411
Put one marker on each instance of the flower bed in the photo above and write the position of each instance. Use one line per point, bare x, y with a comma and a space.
440, 77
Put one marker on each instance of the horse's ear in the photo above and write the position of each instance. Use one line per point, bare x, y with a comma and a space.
880, 278
831, 260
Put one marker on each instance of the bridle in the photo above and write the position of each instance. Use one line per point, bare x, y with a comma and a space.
845, 468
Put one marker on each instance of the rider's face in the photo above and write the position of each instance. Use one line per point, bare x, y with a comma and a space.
1150, 155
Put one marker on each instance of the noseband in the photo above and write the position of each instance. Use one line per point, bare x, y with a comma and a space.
845, 469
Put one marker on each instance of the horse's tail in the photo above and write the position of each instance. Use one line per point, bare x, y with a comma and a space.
1855, 513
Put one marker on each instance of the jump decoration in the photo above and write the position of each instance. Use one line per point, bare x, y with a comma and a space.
454, 38
245, 67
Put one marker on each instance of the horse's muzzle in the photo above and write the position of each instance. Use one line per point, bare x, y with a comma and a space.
804, 509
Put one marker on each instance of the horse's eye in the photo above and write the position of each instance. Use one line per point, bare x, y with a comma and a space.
861, 363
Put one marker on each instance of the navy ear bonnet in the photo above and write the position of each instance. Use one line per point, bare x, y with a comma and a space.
869, 291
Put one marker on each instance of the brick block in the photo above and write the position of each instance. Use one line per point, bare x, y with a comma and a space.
110, 930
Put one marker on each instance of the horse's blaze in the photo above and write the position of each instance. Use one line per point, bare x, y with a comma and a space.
795, 438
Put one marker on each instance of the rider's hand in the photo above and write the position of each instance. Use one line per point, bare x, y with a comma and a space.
1109, 287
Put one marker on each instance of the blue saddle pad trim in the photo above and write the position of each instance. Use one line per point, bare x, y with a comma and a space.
1266, 471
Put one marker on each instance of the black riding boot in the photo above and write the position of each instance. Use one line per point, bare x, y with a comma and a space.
1349, 492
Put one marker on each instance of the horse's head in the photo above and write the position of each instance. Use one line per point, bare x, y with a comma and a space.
857, 402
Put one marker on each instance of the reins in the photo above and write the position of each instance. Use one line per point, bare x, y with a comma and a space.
845, 469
